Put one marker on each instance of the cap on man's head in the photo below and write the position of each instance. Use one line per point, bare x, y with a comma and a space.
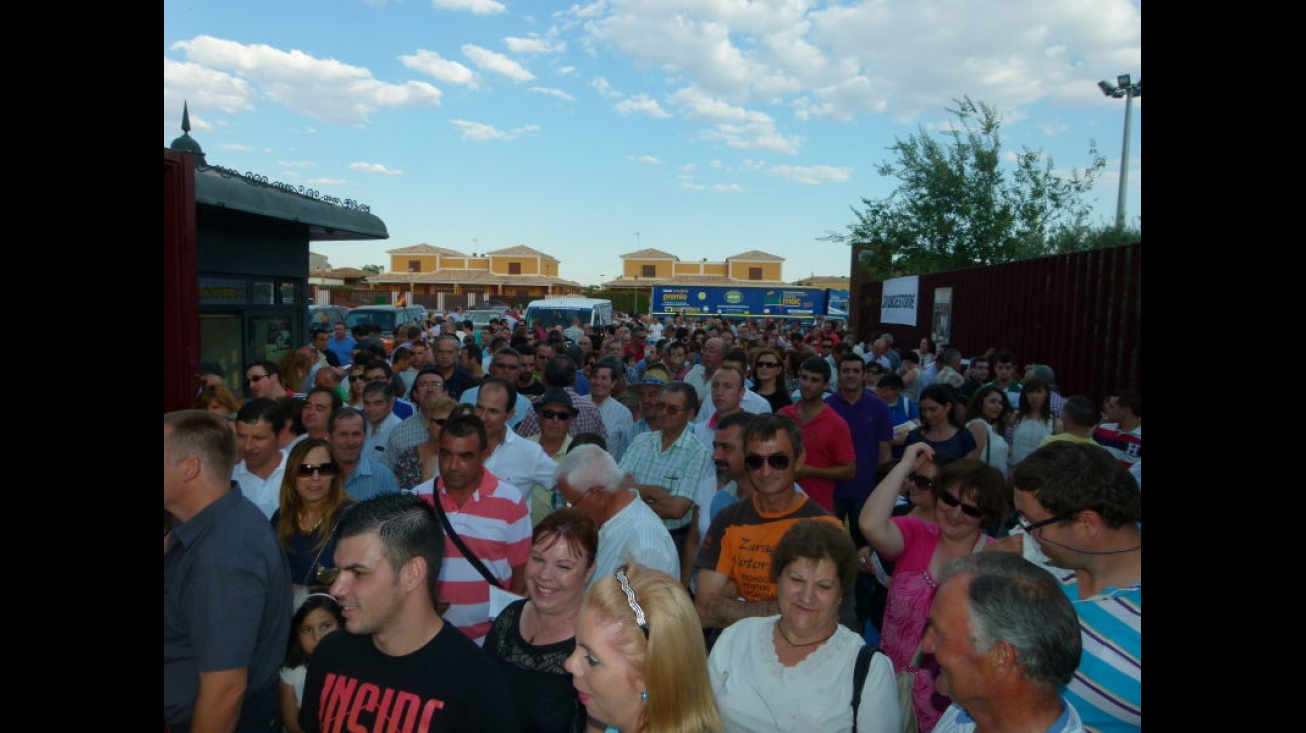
656, 376
556, 396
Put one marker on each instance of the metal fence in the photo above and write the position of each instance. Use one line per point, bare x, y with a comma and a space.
1079, 313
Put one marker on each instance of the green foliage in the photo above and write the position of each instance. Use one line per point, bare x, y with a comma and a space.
958, 205
374, 269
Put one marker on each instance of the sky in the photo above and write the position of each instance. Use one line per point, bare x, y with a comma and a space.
702, 128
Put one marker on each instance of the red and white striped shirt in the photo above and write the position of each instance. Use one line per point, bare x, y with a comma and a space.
495, 525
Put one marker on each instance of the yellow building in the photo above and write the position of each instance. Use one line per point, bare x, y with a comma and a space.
424, 269
649, 267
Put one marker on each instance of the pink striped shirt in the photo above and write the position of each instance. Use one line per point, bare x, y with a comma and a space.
495, 525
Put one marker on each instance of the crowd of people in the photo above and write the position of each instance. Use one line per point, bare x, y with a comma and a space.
670, 524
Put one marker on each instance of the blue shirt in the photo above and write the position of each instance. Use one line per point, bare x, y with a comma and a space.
870, 423
344, 350
370, 479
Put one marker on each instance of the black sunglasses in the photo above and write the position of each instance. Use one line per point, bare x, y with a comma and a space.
778, 461
921, 481
1029, 528
969, 510
439, 420
324, 469
766, 364
555, 415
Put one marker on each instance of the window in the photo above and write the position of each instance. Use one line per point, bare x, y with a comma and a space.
648, 270
754, 273
514, 268
414, 265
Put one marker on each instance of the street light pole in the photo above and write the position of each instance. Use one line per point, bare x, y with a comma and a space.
1128, 91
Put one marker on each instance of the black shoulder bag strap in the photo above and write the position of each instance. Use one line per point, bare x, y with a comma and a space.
472, 558
860, 669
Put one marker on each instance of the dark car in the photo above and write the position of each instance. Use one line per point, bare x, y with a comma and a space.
326, 316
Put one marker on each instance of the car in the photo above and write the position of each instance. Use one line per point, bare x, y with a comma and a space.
481, 317
325, 316
391, 319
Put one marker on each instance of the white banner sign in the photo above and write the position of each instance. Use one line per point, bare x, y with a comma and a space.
899, 303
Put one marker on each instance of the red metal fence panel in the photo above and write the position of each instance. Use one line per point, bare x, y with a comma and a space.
1080, 313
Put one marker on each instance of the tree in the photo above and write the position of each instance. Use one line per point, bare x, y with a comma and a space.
374, 269
958, 206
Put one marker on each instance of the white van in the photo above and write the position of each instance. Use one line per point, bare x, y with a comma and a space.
552, 312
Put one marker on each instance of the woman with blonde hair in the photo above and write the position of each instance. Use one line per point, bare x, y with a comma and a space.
640, 665
312, 500
216, 398
296, 366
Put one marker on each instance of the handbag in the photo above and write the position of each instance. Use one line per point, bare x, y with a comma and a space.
905, 681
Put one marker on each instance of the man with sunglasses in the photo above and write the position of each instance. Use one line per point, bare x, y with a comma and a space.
560, 371
733, 565
263, 379
1085, 512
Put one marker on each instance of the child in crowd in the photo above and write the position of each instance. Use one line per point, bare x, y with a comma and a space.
318, 616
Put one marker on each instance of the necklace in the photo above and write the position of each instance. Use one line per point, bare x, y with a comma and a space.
781, 630
308, 530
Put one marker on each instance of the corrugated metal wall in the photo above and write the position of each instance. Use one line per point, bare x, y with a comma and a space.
1079, 313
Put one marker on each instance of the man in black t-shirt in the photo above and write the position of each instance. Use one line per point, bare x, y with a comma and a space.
398, 666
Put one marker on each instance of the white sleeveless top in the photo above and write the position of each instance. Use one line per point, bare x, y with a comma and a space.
995, 452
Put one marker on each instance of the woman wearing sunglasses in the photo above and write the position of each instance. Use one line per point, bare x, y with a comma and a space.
769, 377
640, 663
971, 497
312, 498
421, 463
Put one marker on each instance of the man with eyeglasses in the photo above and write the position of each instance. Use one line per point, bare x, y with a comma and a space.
262, 462
412, 430
672, 468
263, 379
733, 565
505, 364
226, 587
364, 476
1084, 511
591, 481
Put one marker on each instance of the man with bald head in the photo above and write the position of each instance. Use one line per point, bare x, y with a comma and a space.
700, 377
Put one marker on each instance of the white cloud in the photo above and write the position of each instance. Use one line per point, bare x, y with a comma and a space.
812, 174
604, 89
476, 7
203, 88
649, 159
328, 181
442, 69
374, 168
496, 63
553, 93
642, 104
534, 44
297, 163
324, 89
481, 132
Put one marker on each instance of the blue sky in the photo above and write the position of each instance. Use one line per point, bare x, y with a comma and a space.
703, 128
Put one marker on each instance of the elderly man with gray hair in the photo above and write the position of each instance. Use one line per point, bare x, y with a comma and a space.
590, 480
1006, 639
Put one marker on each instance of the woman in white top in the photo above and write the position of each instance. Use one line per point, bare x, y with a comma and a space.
1033, 420
794, 671
986, 419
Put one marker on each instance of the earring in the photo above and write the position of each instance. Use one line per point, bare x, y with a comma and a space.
643, 694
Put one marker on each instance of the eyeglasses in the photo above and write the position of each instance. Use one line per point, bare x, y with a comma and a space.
582, 496
778, 461
430, 385
439, 420
256, 379
634, 605
555, 415
1029, 528
322, 469
767, 364
923, 482
673, 409
503, 365
969, 510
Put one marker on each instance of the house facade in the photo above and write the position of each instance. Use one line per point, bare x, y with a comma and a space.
423, 269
